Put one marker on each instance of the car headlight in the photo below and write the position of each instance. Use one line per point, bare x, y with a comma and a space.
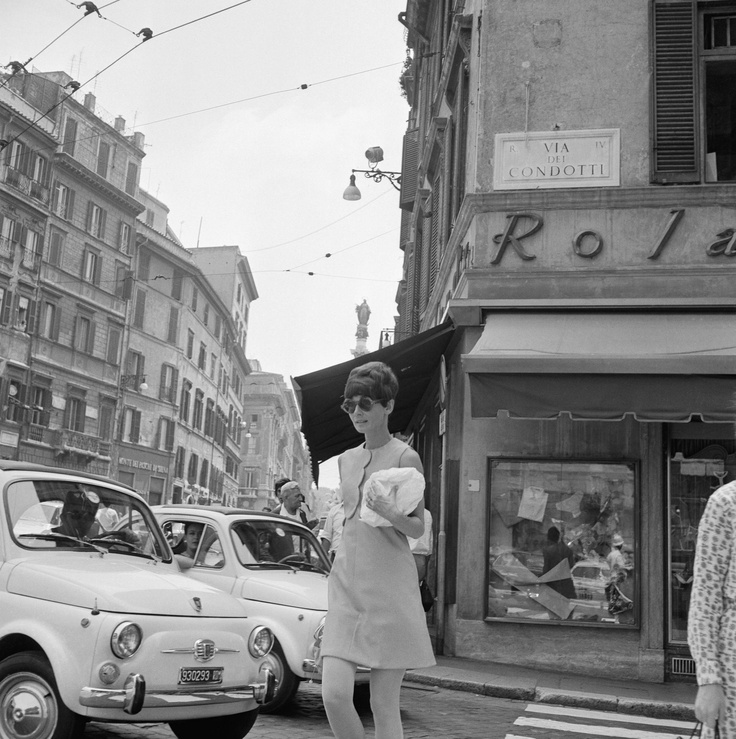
126, 639
260, 641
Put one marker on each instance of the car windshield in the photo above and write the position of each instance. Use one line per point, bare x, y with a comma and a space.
52, 514
268, 543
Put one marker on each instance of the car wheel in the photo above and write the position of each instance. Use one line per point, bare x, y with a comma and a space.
362, 697
30, 705
287, 683
222, 727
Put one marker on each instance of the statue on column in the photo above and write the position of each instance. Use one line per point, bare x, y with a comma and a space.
364, 313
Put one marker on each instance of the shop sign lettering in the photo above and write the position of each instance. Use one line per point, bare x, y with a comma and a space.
138, 464
589, 242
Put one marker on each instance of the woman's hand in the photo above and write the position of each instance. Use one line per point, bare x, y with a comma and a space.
710, 705
381, 503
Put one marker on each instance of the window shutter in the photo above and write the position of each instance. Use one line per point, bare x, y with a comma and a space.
90, 206
174, 385
135, 427
162, 389
55, 326
170, 436
7, 307
90, 348
173, 325
69, 210
98, 270
409, 168
131, 178
675, 156
103, 157
31, 320
434, 246
113, 345
140, 308
70, 135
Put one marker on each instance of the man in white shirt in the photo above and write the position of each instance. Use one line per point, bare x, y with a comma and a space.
422, 547
292, 504
331, 535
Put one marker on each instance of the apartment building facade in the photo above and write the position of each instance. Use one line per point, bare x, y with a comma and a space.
65, 273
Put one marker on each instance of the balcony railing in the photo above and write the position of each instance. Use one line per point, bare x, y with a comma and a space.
31, 260
65, 440
40, 192
6, 247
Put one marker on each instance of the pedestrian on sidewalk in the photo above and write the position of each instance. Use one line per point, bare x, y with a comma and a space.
711, 630
375, 615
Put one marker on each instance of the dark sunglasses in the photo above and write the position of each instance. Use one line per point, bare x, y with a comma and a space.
365, 404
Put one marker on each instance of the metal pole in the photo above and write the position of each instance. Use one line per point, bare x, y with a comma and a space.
441, 545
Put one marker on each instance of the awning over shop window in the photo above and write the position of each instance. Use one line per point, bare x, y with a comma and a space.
659, 366
328, 430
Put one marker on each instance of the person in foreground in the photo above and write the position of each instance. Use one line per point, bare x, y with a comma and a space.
712, 618
375, 616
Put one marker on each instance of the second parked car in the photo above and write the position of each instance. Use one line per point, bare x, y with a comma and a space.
275, 564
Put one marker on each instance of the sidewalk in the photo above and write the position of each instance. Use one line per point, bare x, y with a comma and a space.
656, 700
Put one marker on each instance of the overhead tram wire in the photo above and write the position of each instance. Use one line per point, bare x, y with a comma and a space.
233, 102
339, 251
146, 33
303, 86
322, 228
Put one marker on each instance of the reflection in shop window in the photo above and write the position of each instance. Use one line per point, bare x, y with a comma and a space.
563, 542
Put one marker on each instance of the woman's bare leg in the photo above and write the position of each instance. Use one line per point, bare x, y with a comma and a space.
338, 679
385, 699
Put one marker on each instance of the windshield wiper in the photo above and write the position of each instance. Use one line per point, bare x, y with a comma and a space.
64, 537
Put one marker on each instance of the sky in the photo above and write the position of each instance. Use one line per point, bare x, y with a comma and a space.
266, 165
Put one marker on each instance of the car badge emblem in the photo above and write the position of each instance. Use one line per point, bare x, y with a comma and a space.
197, 604
204, 650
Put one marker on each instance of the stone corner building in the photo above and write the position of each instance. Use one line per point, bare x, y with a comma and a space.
568, 202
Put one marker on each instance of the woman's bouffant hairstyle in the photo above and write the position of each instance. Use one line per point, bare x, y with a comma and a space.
373, 380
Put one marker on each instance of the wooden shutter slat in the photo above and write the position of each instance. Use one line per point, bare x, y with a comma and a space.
409, 169
675, 153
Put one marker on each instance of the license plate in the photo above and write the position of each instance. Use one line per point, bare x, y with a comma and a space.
200, 675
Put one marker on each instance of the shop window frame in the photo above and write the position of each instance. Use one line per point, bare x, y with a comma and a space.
633, 531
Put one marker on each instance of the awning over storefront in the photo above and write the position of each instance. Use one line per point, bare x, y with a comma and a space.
328, 430
658, 366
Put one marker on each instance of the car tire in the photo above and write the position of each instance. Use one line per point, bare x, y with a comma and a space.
287, 683
220, 727
362, 697
28, 683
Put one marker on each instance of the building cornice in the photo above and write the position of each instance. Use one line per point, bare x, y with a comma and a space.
66, 162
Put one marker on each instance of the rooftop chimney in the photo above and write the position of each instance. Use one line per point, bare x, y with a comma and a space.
120, 124
89, 101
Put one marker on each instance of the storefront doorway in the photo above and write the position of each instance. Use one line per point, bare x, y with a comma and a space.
701, 457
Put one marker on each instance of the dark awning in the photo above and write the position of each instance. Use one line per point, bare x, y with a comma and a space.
328, 430
658, 366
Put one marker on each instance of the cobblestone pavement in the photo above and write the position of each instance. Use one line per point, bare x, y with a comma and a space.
426, 711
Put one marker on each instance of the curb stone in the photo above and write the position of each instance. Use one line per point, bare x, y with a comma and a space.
527, 691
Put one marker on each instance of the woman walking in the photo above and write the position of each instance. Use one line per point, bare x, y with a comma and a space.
375, 615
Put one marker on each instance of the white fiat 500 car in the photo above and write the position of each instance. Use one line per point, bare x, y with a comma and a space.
102, 625
276, 566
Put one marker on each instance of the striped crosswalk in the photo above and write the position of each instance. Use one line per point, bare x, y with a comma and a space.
541, 721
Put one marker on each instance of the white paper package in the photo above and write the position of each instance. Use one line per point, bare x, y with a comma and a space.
404, 484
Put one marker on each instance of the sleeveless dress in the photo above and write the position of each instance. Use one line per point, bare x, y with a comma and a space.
375, 616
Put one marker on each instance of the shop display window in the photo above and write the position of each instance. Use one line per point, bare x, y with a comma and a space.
700, 462
563, 541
